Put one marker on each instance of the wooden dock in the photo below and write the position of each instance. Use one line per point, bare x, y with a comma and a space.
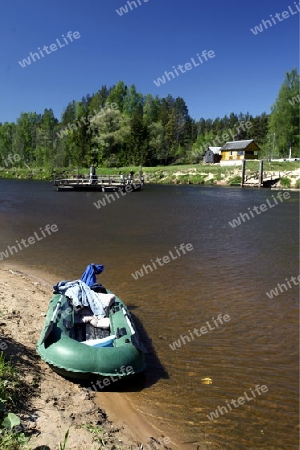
105, 183
258, 178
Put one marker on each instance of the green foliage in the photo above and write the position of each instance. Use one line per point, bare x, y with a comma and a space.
9, 383
102, 437
142, 130
10, 438
63, 446
285, 182
10, 421
117, 95
284, 120
108, 134
158, 173
235, 180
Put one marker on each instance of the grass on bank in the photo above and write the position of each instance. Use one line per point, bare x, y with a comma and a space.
154, 174
196, 174
11, 435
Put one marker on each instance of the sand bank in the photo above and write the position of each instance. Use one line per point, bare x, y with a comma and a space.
55, 404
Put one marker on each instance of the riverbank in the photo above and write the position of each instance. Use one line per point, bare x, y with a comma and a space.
50, 405
287, 173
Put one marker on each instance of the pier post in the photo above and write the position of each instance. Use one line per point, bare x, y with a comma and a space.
243, 172
261, 174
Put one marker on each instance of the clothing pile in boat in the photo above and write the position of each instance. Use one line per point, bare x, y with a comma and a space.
82, 296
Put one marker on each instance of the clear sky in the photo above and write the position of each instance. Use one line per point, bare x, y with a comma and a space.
140, 45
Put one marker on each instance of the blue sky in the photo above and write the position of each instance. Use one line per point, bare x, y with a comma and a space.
139, 46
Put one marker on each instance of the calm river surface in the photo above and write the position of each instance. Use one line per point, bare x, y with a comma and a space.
228, 272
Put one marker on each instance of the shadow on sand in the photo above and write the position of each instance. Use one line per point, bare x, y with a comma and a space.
25, 361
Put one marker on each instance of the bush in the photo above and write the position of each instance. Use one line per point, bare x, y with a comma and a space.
285, 182
233, 181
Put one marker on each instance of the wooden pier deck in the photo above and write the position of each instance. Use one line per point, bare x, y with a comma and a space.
258, 178
100, 183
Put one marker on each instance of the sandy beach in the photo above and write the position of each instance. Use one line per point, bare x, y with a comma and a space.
52, 404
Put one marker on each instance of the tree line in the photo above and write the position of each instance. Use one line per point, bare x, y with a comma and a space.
119, 126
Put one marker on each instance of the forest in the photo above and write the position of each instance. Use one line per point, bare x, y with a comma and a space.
118, 127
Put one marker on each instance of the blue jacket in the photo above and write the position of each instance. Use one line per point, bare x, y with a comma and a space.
89, 275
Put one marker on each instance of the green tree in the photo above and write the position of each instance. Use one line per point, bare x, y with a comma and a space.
151, 109
43, 137
156, 132
98, 100
117, 95
69, 114
284, 120
203, 141
7, 133
137, 148
132, 100
109, 134
25, 140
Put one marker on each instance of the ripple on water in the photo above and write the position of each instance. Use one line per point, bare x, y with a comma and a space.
229, 271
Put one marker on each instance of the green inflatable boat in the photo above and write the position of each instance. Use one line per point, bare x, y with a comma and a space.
77, 349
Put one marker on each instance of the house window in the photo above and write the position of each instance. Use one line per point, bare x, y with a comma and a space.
240, 152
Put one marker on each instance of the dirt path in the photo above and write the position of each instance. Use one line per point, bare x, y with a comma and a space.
53, 405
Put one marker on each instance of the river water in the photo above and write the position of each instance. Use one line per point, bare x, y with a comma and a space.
253, 356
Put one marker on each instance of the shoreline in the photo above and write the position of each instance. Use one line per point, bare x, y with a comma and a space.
286, 173
57, 404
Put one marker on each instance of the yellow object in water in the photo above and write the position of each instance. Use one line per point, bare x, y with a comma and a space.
206, 380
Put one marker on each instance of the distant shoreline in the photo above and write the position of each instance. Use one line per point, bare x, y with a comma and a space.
195, 174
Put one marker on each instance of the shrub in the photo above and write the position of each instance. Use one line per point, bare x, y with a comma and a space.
285, 182
237, 179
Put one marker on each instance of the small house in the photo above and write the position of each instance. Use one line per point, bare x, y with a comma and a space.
235, 150
212, 155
